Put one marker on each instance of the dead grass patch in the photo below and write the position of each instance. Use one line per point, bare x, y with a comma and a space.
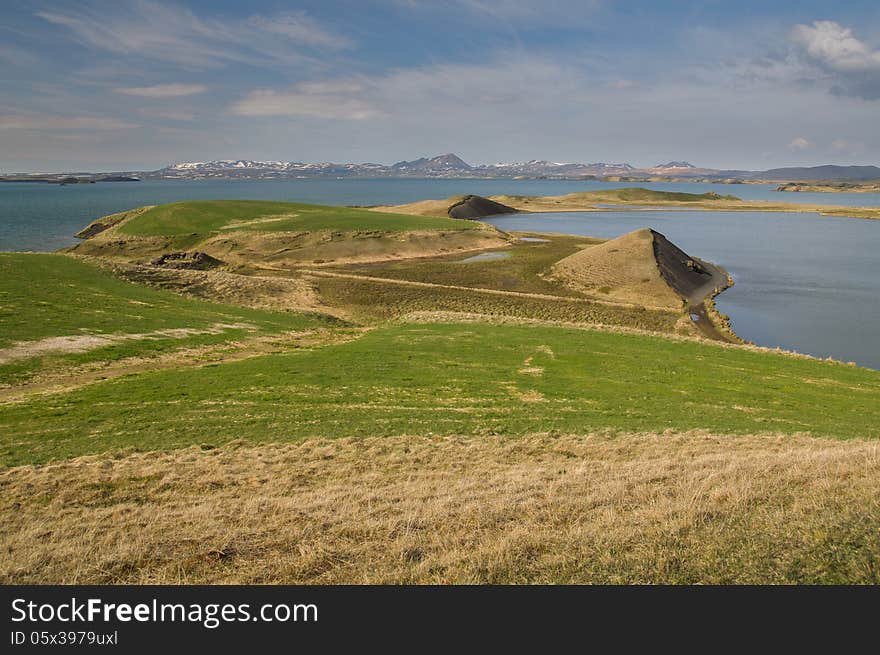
649, 508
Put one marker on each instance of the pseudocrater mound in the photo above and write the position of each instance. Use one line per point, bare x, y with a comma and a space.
474, 207
642, 267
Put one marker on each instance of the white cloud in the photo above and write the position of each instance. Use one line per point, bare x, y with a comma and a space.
851, 65
43, 122
165, 32
307, 100
799, 143
834, 46
163, 90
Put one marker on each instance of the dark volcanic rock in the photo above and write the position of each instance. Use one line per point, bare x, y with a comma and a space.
473, 207
685, 274
190, 260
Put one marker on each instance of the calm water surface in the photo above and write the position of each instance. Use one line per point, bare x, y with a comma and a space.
46, 216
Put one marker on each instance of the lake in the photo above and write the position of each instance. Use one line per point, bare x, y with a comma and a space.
804, 282
46, 216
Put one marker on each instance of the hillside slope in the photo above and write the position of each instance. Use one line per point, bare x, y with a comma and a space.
277, 234
58, 312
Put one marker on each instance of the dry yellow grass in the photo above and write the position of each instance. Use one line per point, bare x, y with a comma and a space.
621, 509
255, 291
421, 208
623, 269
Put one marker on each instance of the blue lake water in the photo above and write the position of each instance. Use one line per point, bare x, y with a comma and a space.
804, 282
46, 216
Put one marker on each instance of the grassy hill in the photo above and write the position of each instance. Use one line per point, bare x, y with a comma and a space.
278, 234
57, 310
212, 216
453, 379
638, 194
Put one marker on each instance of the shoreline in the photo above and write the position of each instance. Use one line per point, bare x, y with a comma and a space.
632, 199
840, 211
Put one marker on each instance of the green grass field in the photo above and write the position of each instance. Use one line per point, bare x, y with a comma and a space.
44, 296
452, 379
212, 216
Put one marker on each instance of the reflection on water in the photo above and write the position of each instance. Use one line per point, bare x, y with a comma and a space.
804, 282
484, 257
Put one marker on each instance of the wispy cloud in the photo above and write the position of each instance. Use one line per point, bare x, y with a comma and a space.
522, 14
852, 63
299, 27
415, 93
322, 100
44, 122
168, 114
164, 32
162, 90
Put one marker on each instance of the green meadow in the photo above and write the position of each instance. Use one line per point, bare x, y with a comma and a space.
452, 379
211, 216
45, 296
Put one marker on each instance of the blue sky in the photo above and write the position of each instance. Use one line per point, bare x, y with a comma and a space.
137, 84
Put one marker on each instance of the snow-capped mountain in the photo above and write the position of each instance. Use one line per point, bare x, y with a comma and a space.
448, 165
676, 164
439, 164
543, 168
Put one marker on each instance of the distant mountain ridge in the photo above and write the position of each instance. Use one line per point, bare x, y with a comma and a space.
447, 165
439, 164
828, 172
452, 166
676, 164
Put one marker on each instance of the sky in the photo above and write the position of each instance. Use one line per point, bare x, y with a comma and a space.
112, 85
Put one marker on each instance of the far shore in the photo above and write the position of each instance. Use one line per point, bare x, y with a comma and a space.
635, 199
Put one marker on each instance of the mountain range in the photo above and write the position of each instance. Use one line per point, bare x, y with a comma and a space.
448, 165
453, 166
